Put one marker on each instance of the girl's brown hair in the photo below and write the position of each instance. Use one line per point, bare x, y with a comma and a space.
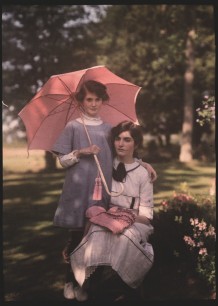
135, 131
94, 87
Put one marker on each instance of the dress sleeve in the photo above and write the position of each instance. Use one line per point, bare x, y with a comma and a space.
146, 204
64, 143
68, 160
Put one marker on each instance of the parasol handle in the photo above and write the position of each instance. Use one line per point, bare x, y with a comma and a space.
104, 181
99, 167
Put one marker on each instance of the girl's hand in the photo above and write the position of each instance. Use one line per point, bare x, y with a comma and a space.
150, 169
93, 149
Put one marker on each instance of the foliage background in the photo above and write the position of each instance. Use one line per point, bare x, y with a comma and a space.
147, 46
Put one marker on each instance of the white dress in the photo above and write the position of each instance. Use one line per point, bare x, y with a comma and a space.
129, 254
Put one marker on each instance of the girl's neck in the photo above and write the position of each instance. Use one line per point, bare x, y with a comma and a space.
125, 160
89, 117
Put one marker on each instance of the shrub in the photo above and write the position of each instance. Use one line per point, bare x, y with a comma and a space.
201, 243
179, 237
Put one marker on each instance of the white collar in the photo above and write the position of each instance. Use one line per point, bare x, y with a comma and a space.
89, 120
127, 166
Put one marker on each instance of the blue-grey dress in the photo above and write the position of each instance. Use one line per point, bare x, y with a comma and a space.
79, 182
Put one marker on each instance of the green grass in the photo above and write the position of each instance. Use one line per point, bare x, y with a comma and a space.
197, 175
33, 267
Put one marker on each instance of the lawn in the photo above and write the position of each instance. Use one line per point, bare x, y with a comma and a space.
33, 267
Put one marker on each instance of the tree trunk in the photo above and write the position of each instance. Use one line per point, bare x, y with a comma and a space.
50, 161
187, 127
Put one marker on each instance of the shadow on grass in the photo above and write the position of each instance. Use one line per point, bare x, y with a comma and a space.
32, 261
33, 267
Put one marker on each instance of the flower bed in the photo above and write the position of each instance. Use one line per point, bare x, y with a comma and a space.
185, 235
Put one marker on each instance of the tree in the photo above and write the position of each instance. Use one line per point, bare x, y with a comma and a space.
151, 46
147, 46
186, 153
197, 27
39, 41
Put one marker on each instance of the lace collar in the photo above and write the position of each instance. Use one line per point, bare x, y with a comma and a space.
90, 120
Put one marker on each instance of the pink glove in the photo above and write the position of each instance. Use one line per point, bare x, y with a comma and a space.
115, 219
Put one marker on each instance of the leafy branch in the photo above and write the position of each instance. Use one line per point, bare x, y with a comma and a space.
207, 112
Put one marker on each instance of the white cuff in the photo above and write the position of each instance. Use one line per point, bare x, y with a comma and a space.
68, 160
146, 211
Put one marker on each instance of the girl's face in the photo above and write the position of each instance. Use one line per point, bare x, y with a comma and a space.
124, 145
91, 104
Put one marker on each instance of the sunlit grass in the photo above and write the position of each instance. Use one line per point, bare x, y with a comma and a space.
197, 175
38, 226
18, 159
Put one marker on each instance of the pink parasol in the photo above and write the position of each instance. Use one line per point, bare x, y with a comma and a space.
46, 115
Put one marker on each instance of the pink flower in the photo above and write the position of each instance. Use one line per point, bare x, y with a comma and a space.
202, 225
188, 240
211, 231
164, 203
183, 197
200, 244
194, 221
203, 251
